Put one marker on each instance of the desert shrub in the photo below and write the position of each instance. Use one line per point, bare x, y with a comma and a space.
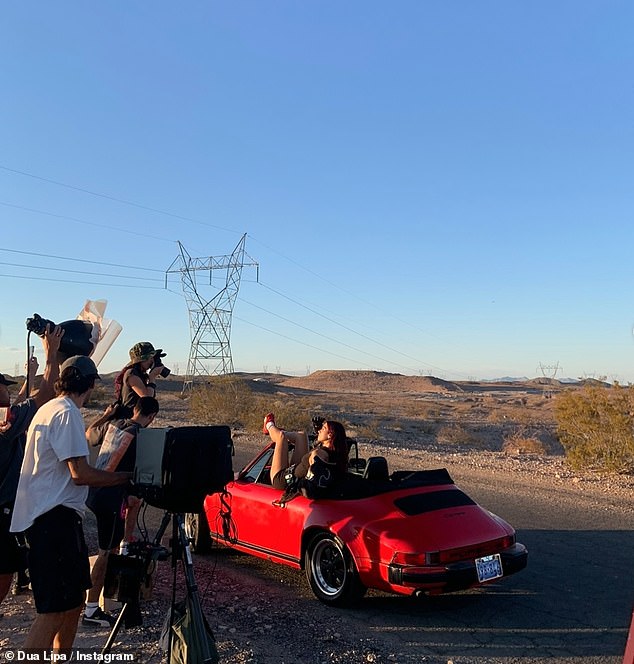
596, 427
455, 434
427, 428
369, 430
223, 400
231, 400
290, 413
521, 441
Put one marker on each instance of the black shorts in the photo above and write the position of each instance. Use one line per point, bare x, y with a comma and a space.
107, 506
58, 561
9, 551
110, 527
284, 478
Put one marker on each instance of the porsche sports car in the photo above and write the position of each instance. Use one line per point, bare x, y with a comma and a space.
405, 532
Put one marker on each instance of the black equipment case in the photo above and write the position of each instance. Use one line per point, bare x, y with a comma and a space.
177, 467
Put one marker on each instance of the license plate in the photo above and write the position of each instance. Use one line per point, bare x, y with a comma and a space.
489, 567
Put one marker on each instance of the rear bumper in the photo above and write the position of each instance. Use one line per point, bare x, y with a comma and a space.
455, 576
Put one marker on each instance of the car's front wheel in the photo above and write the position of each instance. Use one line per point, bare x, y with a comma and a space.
197, 531
331, 572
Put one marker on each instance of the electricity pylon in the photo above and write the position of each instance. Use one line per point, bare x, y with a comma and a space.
209, 319
550, 374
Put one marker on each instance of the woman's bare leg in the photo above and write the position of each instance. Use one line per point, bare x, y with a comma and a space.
301, 445
280, 453
281, 439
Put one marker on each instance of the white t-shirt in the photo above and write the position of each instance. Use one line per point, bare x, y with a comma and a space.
55, 435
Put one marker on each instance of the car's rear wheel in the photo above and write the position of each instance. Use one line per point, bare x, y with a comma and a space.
197, 531
331, 572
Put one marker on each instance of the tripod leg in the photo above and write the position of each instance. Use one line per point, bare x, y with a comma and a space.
167, 517
192, 590
115, 630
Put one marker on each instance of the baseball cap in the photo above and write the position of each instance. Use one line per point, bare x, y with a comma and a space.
6, 381
84, 366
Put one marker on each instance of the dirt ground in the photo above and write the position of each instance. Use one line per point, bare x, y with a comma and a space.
504, 432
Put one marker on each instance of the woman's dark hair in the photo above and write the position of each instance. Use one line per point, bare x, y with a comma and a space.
340, 443
73, 382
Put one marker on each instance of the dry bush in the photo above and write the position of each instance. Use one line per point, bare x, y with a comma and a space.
224, 399
516, 412
421, 410
596, 427
231, 400
368, 430
426, 428
521, 442
456, 435
290, 413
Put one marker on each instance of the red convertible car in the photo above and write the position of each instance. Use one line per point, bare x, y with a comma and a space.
404, 532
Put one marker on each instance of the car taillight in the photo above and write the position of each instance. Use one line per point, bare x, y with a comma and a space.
432, 558
414, 559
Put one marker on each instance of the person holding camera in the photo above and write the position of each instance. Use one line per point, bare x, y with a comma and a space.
110, 504
50, 503
12, 440
138, 378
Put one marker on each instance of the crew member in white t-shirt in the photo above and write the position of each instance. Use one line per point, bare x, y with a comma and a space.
50, 504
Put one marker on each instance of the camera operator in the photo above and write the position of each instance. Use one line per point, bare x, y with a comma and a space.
12, 440
50, 503
138, 378
117, 452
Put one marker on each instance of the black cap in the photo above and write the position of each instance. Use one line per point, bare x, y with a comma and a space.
84, 365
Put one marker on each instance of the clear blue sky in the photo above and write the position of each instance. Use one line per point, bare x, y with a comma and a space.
446, 187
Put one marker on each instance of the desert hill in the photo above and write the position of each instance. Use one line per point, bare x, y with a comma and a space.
369, 381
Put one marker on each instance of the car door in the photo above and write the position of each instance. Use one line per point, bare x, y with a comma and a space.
260, 523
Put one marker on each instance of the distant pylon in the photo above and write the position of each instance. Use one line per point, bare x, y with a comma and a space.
209, 319
549, 372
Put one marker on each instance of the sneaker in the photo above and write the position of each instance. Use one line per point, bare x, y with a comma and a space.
99, 618
269, 417
21, 588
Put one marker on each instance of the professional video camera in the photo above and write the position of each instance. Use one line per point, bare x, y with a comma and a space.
176, 467
80, 336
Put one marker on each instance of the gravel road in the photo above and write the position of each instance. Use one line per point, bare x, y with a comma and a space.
572, 605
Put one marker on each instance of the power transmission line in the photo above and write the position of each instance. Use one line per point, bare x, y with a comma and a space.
98, 274
108, 227
324, 336
303, 343
81, 260
83, 283
123, 201
206, 224
360, 334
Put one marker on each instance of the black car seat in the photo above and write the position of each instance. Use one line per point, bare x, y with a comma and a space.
376, 469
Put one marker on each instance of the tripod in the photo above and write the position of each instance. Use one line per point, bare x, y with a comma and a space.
180, 551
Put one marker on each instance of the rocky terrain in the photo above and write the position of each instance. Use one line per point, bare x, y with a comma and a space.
489, 433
